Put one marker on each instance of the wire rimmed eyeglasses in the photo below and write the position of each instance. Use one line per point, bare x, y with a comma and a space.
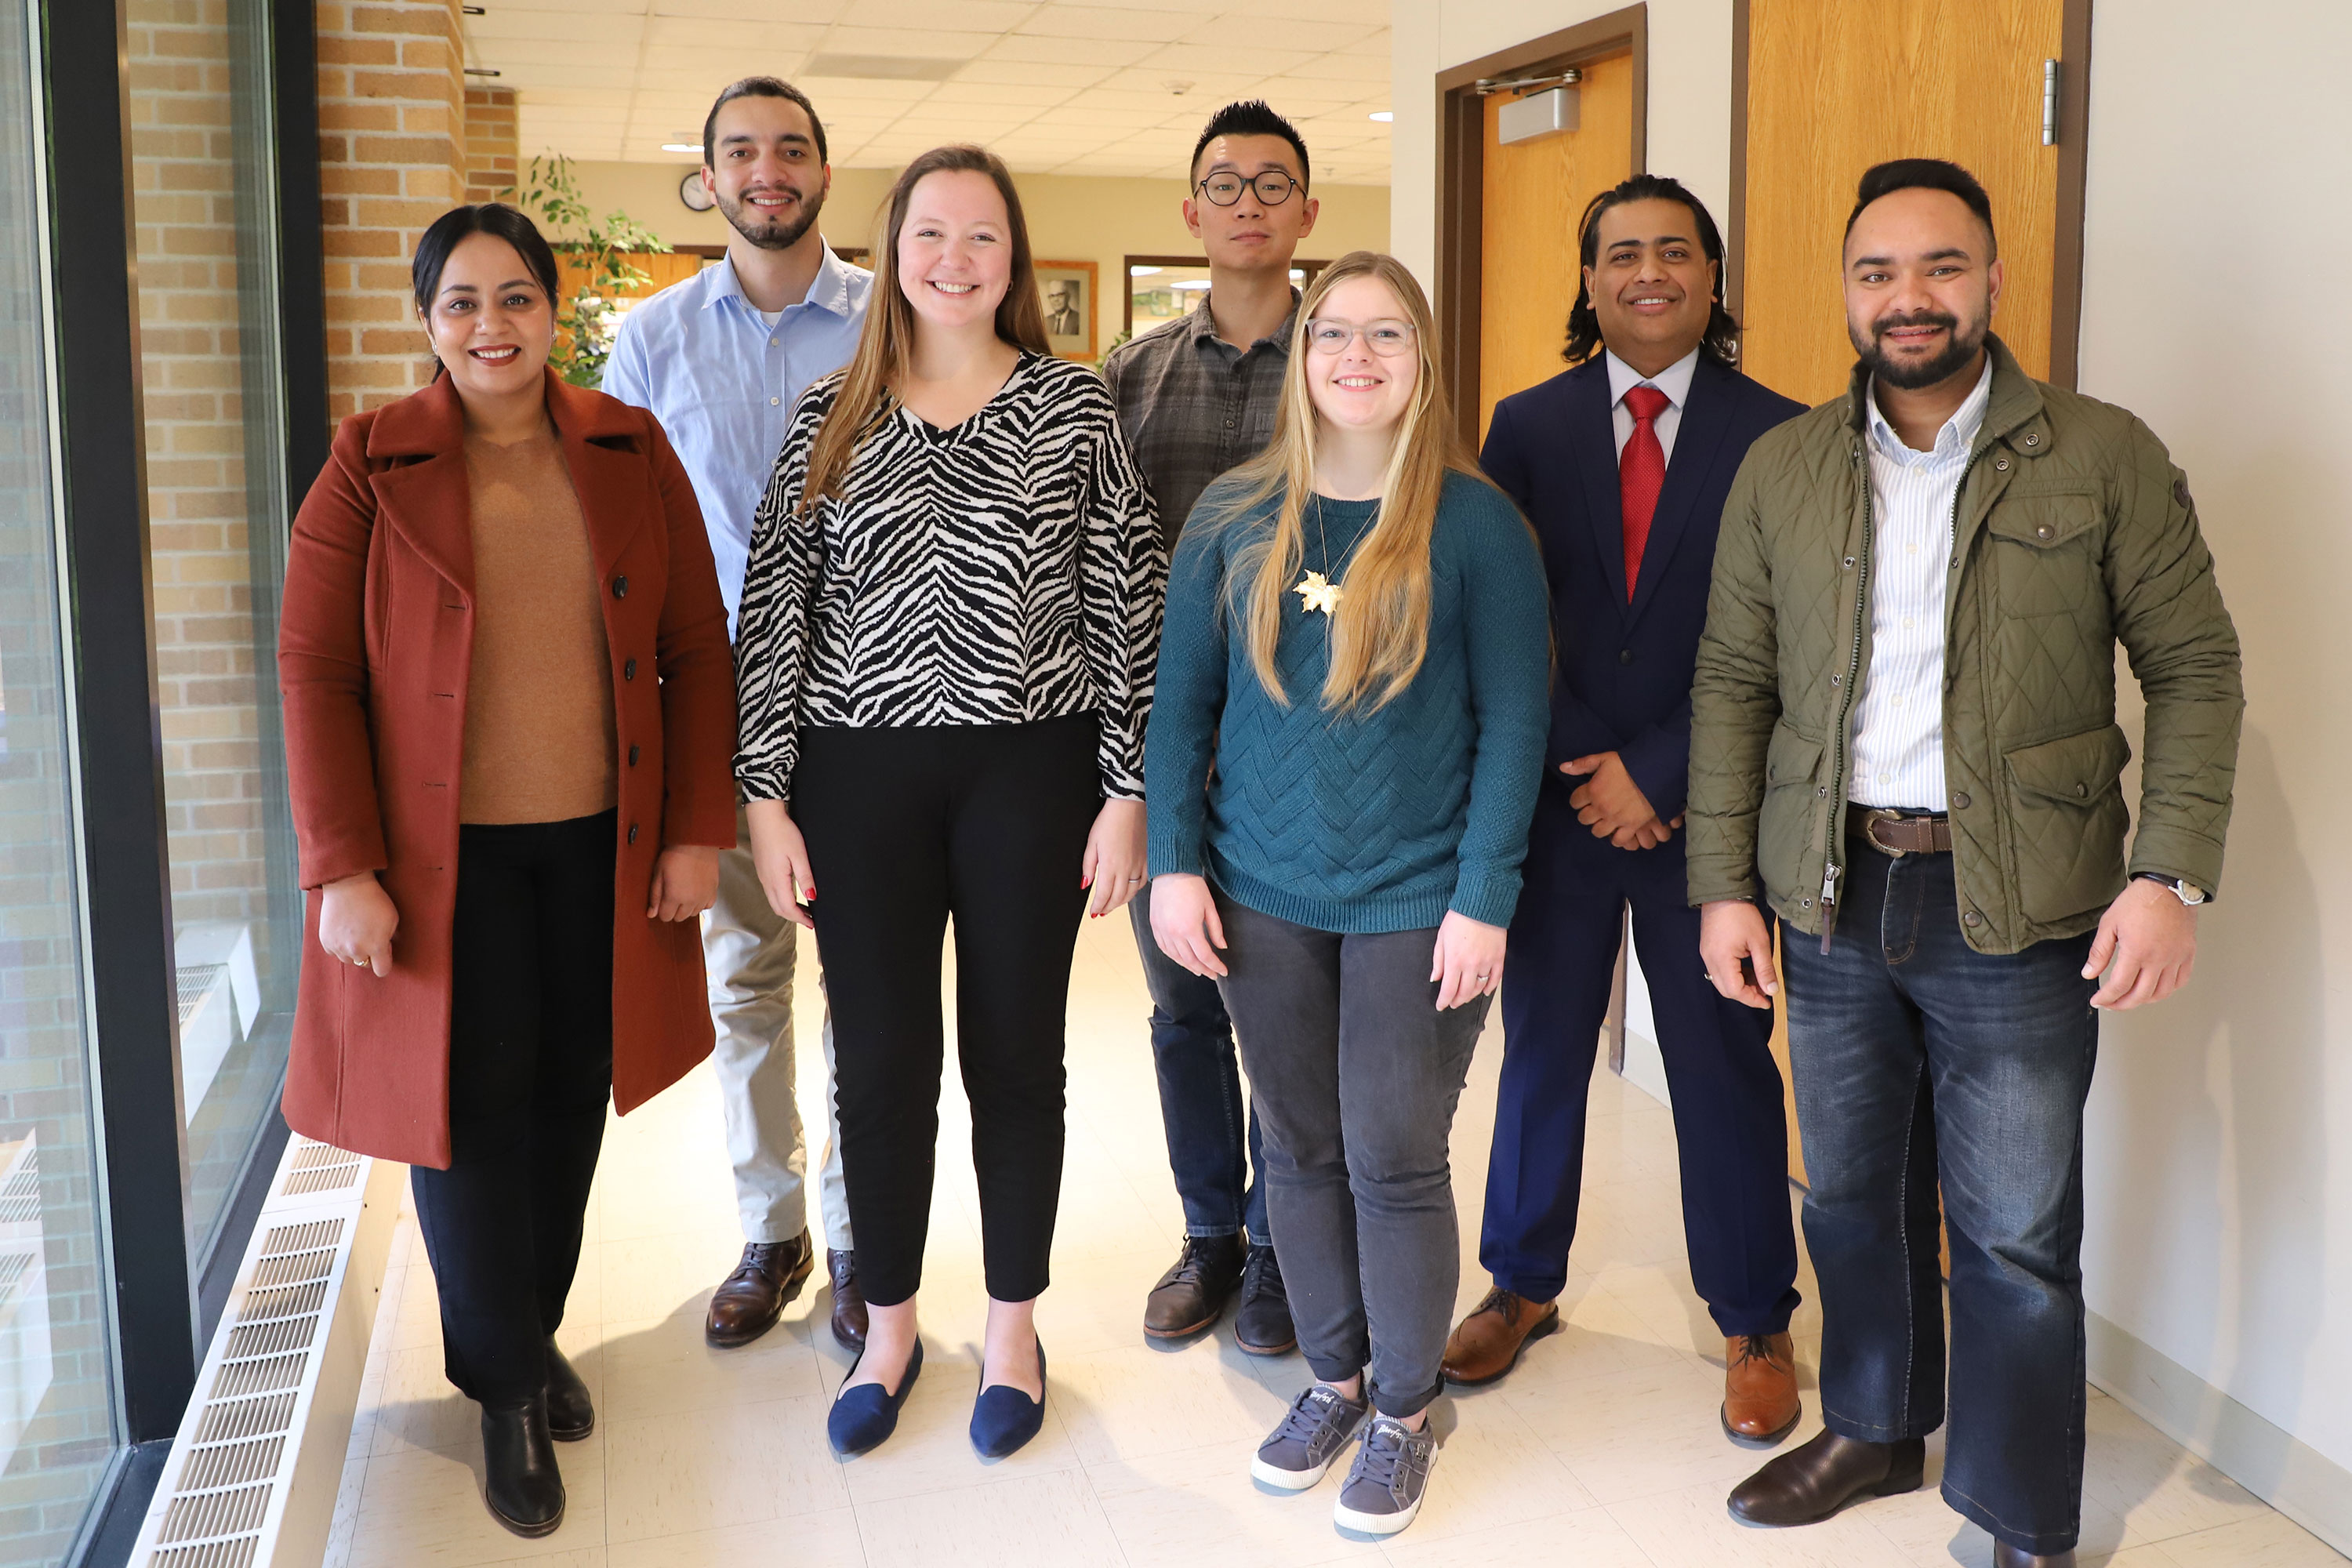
1273, 187
1386, 337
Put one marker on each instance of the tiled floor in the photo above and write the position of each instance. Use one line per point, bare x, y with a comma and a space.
1602, 1451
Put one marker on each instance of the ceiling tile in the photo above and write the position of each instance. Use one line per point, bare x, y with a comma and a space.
744, 11
969, 15
1078, 51
1101, 21
1039, 74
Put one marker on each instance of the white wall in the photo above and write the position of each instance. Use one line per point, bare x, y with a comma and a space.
1690, 95
2220, 1156
2219, 1209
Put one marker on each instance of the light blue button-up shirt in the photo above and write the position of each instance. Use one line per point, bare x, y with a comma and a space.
722, 382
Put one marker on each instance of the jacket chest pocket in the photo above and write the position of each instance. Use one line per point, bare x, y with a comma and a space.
2045, 552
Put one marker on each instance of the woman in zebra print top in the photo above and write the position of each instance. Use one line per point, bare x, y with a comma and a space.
949, 630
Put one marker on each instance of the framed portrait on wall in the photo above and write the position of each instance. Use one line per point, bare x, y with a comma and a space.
1067, 288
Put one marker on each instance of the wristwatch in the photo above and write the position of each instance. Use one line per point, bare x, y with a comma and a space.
2188, 892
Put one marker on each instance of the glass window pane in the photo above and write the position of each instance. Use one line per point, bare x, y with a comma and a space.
57, 1406
203, 181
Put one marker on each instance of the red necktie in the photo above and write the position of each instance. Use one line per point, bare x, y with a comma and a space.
1640, 471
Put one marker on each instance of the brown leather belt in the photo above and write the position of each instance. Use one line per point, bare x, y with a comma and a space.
1894, 834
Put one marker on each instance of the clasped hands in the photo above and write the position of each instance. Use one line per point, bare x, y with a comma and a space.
1610, 803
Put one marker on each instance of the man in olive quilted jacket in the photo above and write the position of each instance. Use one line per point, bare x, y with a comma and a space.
1904, 727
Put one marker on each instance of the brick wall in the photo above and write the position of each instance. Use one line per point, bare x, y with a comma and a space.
184, 174
491, 143
391, 158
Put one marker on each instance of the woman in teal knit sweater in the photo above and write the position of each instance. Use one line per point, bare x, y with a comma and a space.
1344, 750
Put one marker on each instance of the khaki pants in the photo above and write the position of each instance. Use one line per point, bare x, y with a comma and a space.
749, 950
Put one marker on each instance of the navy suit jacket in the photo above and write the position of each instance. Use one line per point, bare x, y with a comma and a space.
1624, 669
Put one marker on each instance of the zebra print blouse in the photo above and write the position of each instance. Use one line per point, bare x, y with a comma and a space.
1003, 571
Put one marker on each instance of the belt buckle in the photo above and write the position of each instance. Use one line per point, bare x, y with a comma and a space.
1869, 821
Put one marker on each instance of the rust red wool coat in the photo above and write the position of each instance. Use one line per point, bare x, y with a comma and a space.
373, 650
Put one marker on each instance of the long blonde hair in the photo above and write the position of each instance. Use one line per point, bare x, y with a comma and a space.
886, 342
1379, 629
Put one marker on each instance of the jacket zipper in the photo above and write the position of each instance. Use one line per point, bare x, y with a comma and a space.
1831, 869
1834, 870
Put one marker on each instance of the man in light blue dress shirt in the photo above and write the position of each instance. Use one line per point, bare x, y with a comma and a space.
720, 360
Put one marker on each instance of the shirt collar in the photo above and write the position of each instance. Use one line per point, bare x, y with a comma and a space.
1674, 381
1204, 328
1958, 434
828, 291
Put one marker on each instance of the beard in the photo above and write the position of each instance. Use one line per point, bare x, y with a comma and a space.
780, 233
1961, 346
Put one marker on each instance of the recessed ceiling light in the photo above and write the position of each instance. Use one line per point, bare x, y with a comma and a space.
681, 146
1385, 116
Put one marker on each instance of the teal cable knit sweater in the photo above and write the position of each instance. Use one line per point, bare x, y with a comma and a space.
1378, 820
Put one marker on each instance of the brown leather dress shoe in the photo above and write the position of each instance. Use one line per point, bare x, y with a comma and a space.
2004, 1555
849, 1300
1814, 1480
748, 1301
1193, 1292
1487, 1344
1760, 1388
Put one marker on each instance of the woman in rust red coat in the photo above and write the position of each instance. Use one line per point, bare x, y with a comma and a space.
509, 719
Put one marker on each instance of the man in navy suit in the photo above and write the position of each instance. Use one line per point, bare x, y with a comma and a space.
1623, 464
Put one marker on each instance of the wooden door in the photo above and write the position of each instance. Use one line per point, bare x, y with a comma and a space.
1835, 85
1533, 193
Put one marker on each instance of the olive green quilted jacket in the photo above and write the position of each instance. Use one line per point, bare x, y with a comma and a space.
2073, 530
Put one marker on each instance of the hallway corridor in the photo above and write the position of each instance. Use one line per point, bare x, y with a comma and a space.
1602, 1451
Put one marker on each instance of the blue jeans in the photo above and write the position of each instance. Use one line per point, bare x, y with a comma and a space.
1214, 1148
1916, 1060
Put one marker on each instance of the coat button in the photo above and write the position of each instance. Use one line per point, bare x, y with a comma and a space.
2033, 439
2082, 792
1822, 790
1837, 680
1624, 655
2044, 531
632, 756
633, 839
1804, 903
1959, 800
620, 587
629, 670
1849, 562
2002, 463
1970, 919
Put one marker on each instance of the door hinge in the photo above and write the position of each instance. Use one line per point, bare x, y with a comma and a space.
2049, 103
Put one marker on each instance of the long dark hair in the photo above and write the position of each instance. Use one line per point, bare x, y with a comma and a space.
1721, 342
886, 343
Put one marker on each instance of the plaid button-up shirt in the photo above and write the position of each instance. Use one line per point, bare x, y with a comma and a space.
1194, 405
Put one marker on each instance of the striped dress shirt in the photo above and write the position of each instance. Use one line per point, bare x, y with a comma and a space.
1898, 723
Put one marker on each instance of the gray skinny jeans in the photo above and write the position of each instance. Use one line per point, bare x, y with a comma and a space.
1355, 1074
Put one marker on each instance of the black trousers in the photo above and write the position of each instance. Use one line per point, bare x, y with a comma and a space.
530, 1068
905, 828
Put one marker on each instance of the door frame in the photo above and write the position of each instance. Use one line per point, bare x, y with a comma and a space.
1462, 175
2074, 166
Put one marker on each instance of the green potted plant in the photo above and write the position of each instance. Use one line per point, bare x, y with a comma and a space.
585, 318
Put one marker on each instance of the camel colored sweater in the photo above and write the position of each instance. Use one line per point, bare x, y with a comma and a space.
540, 739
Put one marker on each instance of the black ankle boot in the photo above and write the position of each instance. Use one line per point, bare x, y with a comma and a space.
571, 1414
520, 1483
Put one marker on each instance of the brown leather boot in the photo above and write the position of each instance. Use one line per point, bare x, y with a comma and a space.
849, 1300
1814, 1480
1487, 1342
2004, 1555
1760, 1388
748, 1301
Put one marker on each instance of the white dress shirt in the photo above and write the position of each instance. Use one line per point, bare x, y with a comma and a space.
1898, 721
1674, 381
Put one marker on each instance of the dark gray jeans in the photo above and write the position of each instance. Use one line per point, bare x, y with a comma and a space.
1355, 1074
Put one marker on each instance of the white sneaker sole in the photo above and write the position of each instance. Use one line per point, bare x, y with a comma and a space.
1288, 1480
1347, 1518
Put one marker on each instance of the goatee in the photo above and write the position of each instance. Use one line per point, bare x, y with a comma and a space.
1959, 348
778, 233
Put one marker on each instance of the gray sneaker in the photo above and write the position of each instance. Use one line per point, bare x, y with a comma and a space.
1385, 1487
1315, 1429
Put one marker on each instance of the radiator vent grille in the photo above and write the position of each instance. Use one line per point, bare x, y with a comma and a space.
239, 1448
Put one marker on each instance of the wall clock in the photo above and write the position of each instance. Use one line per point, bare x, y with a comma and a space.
690, 192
